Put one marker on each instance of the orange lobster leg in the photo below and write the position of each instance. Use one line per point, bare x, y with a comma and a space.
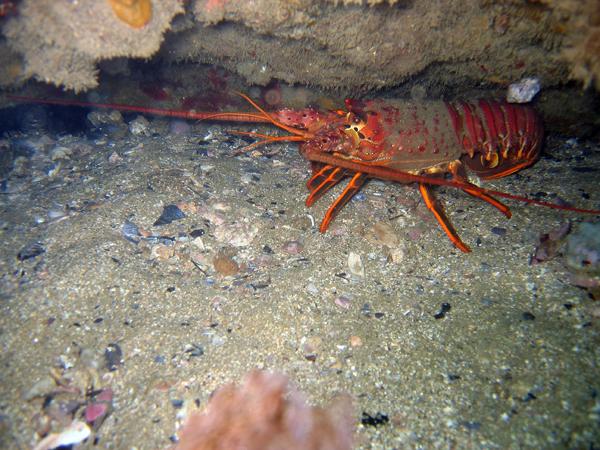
491, 200
357, 181
459, 175
436, 209
323, 180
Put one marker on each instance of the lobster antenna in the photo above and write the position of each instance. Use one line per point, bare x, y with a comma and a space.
190, 114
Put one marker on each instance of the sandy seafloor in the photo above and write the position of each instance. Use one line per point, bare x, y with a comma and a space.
513, 364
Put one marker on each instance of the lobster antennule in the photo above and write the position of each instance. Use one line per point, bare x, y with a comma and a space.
296, 131
266, 138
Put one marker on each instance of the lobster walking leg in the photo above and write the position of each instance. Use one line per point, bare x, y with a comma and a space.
357, 181
444, 222
323, 180
457, 169
489, 199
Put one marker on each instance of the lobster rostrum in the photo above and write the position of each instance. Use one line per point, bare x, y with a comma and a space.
401, 141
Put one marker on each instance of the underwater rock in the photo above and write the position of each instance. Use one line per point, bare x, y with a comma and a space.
31, 251
61, 42
140, 126
523, 91
265, 413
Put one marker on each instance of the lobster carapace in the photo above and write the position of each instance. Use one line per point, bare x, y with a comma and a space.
402, 141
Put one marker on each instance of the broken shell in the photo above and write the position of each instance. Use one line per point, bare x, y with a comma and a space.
355, 265
76, 432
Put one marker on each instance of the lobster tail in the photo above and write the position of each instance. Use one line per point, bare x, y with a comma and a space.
499, 138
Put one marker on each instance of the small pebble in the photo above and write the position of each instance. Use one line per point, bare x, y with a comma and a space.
60, 153
169, 214
197, 233
312, 289
194, 350
131, 232
113, 356
140, 126
217, 340
31, 251
114, 158
342, 302
224, 265
366, 310
528, 316
95, 411
177, 403
355, 341
374, 421
395, 255
293, 247
444, 308
162, 252
56, 214
471, 425
198, 243
499, 231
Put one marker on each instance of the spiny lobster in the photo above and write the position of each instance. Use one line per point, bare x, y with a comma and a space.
402, 141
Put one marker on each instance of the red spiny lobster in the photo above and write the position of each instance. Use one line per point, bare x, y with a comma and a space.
401, 141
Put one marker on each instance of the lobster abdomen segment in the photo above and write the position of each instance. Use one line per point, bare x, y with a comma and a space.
499, 138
